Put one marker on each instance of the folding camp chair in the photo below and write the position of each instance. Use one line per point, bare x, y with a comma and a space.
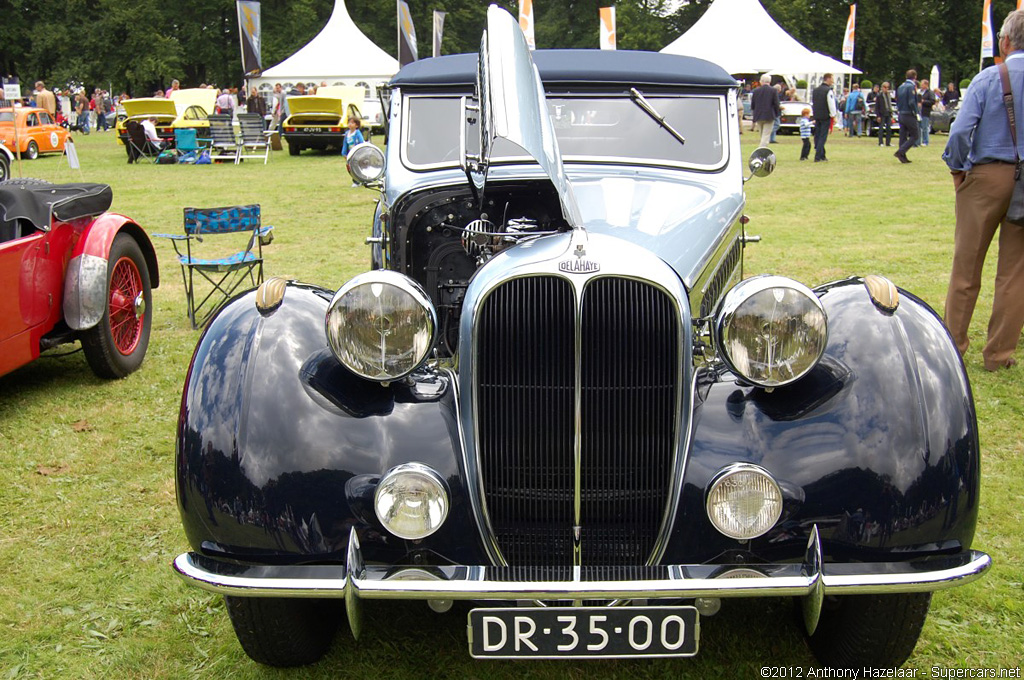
255, 140
137, 145
188, 144
222, 138
226, 273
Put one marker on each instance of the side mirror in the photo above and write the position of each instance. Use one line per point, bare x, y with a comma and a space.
762, 163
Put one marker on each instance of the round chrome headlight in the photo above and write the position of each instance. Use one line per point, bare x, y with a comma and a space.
744, 501
381, 325
411, 501
771, 330
365, 163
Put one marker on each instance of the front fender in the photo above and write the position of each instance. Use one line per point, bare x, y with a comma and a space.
85, 281
280, 448
878, 446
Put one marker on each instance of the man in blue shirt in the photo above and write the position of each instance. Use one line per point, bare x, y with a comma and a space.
981, 156
906, 107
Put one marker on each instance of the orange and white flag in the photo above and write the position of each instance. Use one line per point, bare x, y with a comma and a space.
607, 28
987, 43
848, 37
526, 22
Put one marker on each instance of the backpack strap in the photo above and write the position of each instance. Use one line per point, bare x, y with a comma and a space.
1011, 117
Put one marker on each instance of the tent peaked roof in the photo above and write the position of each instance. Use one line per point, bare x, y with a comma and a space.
340, 46
741, 37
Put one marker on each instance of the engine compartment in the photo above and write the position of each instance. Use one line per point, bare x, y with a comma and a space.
445, 237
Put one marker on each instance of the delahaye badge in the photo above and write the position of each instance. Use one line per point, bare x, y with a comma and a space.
580, 264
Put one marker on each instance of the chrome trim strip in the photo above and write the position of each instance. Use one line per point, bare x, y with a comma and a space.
684, 581
475, 495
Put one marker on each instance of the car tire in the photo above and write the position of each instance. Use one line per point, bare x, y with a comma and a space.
5, 168
869, 631
293, 149
116, 345
284, 632
32, 152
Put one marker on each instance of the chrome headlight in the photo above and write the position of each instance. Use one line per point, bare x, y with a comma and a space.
744, 501
771, 330
365, 163
381, 325
411, 501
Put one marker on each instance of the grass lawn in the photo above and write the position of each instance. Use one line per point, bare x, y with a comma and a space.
89, 524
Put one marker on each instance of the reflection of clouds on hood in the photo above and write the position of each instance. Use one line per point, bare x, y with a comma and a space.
249, 386
681, 220
888, 418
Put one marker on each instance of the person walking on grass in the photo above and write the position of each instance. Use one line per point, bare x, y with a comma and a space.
823, 101
909, 115
764, 103
982, 158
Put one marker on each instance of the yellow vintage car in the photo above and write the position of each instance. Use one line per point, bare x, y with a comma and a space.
319, 121
36, 132
187, 108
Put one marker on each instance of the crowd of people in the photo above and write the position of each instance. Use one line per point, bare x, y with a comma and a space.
852, 111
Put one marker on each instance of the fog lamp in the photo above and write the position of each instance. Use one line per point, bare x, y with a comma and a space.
365, 163
771, 330
411, 501
744, 501
381, 325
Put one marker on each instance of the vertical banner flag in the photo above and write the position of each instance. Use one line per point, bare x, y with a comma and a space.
526, 22
407, 52
607, 28
987, 43
249, 34
848, 37
438, 31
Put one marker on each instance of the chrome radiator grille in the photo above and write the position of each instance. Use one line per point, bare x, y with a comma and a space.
526, 373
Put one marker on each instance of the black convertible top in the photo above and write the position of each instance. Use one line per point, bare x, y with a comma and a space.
35, 201
577, 66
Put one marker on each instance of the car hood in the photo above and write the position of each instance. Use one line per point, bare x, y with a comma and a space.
149, 106
309, 103
682, 221
194, 96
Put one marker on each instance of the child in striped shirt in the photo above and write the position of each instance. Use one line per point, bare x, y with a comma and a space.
806, 127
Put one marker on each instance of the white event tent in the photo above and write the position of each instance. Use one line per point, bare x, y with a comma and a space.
340, 54
741, 37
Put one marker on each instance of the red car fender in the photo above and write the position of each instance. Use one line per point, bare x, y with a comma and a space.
85, 281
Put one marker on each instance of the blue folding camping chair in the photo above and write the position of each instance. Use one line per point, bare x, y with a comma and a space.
225, 273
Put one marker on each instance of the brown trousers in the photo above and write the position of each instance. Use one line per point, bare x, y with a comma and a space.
981, 203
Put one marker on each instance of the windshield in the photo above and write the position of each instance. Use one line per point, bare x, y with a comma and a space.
588, 128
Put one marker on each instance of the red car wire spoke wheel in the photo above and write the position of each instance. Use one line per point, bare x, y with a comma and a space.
127, 306
116, 345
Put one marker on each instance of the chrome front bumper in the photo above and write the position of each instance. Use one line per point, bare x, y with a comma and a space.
811, 580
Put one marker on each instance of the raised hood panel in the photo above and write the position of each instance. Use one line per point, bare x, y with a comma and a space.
194, 96
150, 106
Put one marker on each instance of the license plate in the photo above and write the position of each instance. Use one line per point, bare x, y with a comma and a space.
312, 129
583, 632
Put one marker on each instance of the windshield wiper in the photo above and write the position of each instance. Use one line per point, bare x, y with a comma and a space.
642, 102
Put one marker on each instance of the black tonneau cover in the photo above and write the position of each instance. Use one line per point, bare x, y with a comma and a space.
36, 202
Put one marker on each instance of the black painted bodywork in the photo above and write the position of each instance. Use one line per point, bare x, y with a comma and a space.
280, 447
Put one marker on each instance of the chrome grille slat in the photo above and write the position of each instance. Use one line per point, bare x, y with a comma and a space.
525, 375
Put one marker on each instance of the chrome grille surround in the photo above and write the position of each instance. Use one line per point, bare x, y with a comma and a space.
541, 258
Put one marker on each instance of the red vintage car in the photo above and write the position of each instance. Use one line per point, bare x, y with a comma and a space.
70, 270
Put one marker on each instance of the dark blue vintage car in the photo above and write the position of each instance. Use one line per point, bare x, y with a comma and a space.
556, 395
